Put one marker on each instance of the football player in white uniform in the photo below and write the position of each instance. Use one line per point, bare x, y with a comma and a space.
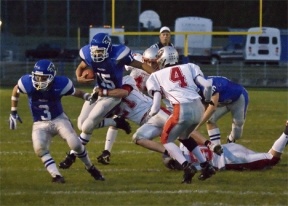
135, 107
149, 57
178, 84
45, 90
238, 157
139, 75
136, 110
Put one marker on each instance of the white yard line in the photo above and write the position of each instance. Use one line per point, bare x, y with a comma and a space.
131, 192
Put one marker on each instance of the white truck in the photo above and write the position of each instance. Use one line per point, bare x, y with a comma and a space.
199, 46
264, 47
116, 38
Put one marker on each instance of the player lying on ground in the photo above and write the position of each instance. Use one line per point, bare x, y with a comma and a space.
238, 157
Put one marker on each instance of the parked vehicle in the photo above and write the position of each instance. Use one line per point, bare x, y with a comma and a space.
264, 47
51, 51
116, 38
228, 54
199, 46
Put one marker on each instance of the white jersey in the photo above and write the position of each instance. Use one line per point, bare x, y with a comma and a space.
176, 83
136, 104
234, 157
140, 76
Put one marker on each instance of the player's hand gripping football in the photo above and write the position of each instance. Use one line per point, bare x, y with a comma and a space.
13, 119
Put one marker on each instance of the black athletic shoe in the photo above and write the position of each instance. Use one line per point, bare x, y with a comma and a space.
207, 171
189, 172
121, 123
58, 179
171, 163
95, 173
69, 160
104, 158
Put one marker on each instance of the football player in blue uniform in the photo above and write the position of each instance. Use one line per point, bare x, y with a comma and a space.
227, 97
45, 90
107, 62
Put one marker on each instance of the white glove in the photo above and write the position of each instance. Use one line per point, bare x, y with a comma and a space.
13, 120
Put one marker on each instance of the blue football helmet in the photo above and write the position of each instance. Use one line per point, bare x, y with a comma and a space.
43, 74
100, 47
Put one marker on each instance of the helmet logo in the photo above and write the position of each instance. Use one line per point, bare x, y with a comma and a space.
106, 40
51, 68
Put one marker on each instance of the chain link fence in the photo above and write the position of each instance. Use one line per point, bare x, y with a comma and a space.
247, 75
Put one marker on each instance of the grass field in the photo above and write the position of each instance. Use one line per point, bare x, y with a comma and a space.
137, 176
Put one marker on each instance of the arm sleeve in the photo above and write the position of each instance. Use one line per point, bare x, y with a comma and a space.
207, 84
156, 103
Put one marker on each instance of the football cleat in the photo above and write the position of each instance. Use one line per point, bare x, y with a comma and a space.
189, 172
121, 123
68, 161
95, 173
104, 158
207, 171
171, 163
58, 179
216, 148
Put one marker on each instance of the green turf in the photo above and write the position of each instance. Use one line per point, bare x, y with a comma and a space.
137, 176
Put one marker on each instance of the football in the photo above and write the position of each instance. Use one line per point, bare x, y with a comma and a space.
90, 74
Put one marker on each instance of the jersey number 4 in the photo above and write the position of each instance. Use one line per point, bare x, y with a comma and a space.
176, 76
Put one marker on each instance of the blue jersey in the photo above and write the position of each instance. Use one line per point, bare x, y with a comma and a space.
228, 91
109, 73
46, 105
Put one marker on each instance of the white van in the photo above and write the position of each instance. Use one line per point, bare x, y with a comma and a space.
199, 46
264, 47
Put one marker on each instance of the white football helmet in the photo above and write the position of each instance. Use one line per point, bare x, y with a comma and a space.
150, 57
150, 54
167, 56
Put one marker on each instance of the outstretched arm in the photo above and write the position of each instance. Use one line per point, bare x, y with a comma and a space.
143, 66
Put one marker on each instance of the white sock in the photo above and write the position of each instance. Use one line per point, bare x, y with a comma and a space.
215, 136
175, 152
198, 154
280, 143
110, 138
50, 165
